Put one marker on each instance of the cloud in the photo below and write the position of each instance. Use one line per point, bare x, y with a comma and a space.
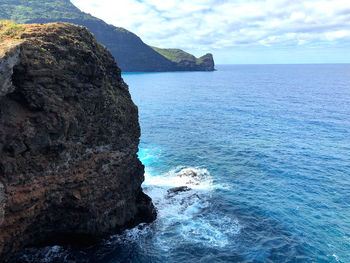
219, 24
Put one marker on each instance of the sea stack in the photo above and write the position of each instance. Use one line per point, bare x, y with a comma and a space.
69, 136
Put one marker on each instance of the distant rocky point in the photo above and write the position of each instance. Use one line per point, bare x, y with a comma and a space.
185, 61
130, 52
69, 136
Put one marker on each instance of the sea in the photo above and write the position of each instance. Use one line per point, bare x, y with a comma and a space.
270, 145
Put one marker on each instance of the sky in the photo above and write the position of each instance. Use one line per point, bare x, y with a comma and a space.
237, 31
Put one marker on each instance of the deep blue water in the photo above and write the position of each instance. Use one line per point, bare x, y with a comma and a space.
275, 141
272, 144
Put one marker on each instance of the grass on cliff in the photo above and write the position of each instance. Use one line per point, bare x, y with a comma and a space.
177, 55
9, 29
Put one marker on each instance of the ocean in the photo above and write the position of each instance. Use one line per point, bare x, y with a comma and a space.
271, 145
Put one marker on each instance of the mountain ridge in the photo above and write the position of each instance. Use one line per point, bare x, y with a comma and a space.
130, 52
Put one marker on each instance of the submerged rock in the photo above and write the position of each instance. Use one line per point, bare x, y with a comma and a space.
192, 176
69, 136
183, 196
176, 190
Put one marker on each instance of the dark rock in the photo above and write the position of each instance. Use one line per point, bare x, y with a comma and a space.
185, 200
69, 136
177, 190
207, 62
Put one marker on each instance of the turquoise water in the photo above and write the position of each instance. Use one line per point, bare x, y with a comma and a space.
275, 143
272, 147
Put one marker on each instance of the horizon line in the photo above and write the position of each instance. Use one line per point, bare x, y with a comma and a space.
315, 63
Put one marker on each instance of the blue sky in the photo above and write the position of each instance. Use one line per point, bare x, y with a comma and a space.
237, 31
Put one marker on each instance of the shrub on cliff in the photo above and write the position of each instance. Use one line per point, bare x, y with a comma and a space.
9, 29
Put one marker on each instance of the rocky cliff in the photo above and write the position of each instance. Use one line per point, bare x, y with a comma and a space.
185, 61
131, 53
69, 137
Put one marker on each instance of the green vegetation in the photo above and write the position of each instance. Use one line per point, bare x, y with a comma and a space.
9, 29
131, 53
177, 55
23, 11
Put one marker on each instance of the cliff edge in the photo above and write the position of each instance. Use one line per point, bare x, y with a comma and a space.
69, 136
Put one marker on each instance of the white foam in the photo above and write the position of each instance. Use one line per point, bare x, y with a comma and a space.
182, 213
53, 253
170, 179
336, 257
214, 232
131, 235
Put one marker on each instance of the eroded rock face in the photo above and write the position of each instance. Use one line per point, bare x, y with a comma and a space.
69, 135
10, 57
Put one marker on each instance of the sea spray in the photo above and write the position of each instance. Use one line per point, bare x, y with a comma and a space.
181, 214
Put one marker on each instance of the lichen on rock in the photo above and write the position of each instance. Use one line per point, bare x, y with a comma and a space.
69, 136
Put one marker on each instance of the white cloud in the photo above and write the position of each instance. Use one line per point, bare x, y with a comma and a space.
216, 24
